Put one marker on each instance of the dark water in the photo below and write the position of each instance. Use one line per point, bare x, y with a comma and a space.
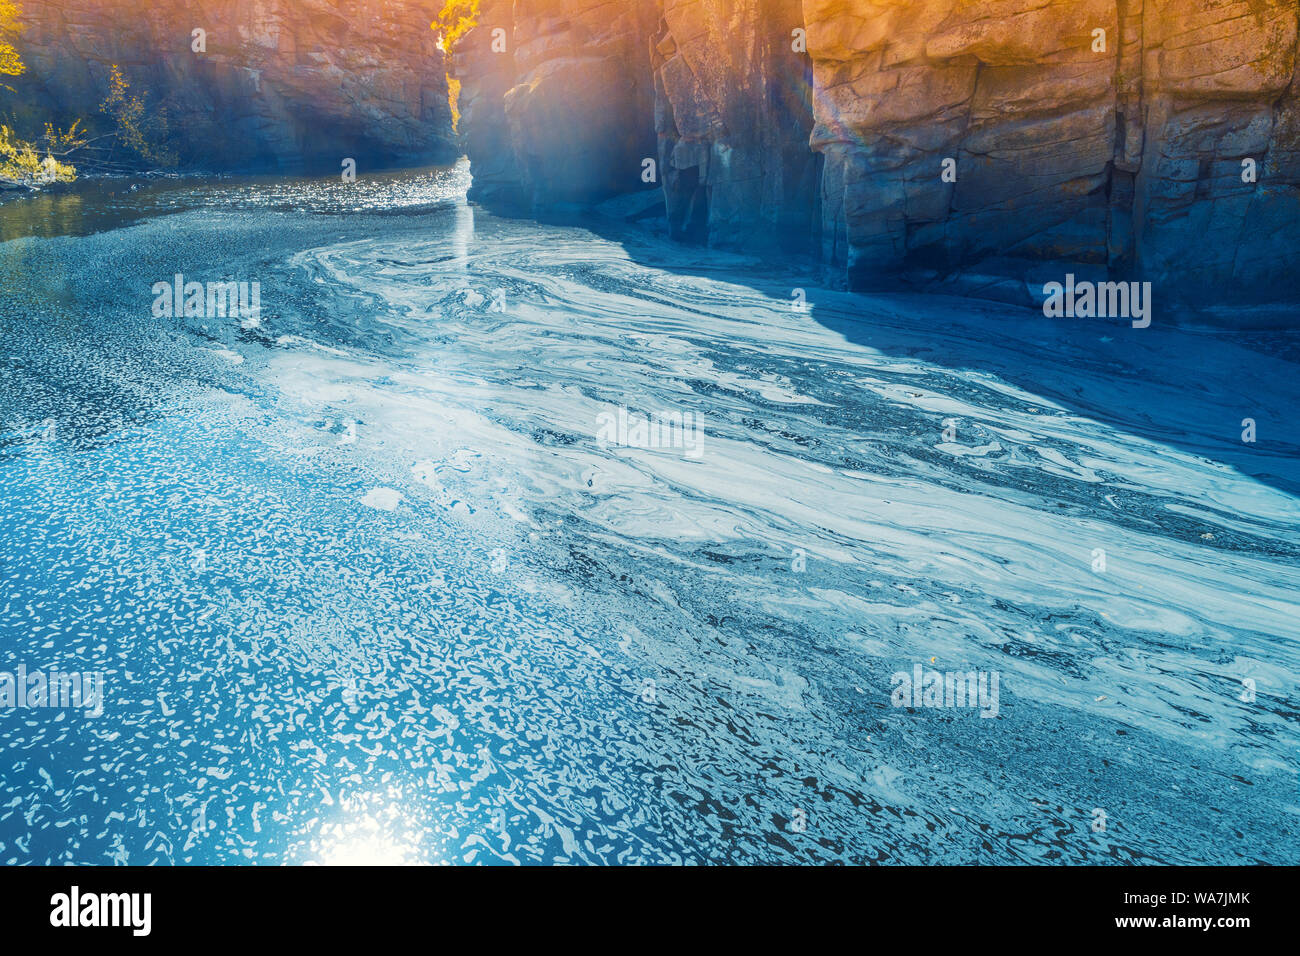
365, 585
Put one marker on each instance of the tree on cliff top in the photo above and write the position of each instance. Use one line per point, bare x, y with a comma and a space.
455, 19
10, 63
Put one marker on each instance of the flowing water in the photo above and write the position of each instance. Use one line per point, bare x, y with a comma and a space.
369, 578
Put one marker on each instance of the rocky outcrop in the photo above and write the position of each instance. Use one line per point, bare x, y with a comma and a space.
982, 143
282, 84
582, 100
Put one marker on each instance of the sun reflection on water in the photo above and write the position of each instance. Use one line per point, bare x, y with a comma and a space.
367, 836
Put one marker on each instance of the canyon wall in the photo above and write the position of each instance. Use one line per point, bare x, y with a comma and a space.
283, 84
980, 145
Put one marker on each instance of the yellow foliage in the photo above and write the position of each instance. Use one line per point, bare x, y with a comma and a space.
455, 19
64, 141
21, 162
128, 111
453, 98
10, 63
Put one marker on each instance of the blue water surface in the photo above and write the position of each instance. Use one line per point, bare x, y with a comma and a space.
365, 586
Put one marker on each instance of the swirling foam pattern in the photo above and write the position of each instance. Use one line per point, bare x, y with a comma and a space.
364, 584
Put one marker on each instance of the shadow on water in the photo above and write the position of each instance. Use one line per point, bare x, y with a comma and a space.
91, 206
1195, 389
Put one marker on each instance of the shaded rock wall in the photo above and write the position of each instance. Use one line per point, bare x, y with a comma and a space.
556, 100
284, 84
733, 120
486, 76
586, 92
1122, 158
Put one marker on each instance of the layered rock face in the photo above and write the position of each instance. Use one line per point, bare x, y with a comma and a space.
1120, 135
282, 84
1005, 140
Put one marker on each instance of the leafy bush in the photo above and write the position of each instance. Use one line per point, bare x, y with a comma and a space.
21, 162
137, 130
10, 63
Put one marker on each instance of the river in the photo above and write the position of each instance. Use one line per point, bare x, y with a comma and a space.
366, 582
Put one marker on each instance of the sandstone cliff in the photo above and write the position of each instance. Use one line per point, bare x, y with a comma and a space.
1136, 138
283, 84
